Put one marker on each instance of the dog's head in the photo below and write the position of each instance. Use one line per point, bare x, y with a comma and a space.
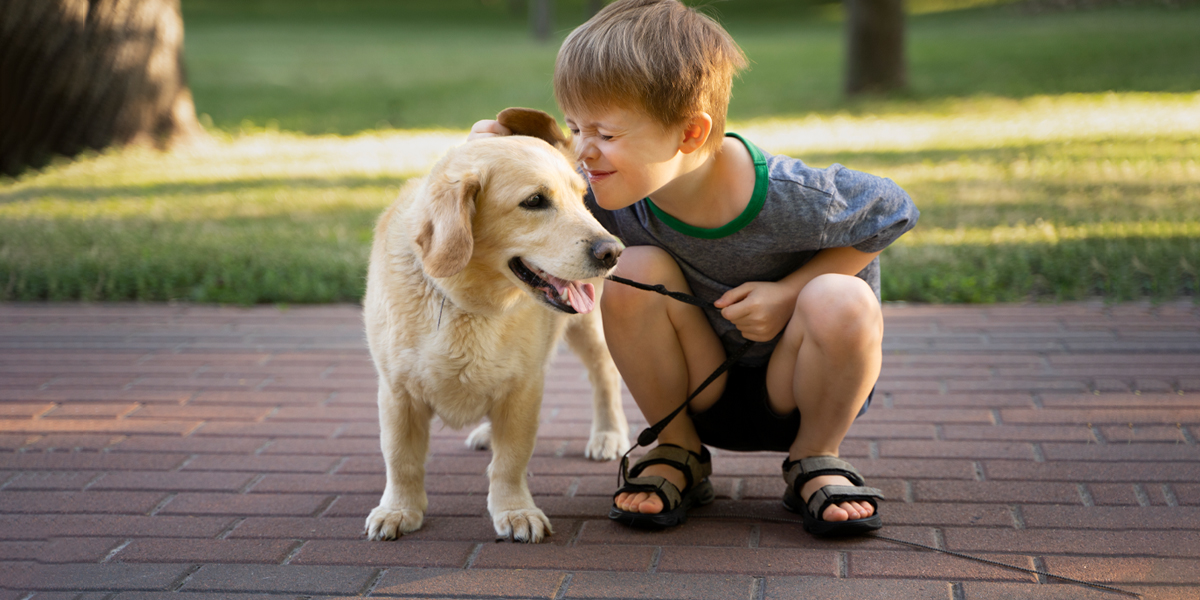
514, 206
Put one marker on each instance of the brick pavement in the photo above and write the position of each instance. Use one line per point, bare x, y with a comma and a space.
208, 452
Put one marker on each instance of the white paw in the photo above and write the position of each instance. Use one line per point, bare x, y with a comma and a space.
481, 438
389, 524
523, 525
606, 445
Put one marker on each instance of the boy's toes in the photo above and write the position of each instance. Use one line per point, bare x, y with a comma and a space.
640, 502
835, 512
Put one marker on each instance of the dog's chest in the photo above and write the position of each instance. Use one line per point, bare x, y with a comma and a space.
468, 365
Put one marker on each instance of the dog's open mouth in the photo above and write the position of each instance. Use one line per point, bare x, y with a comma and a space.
567, 296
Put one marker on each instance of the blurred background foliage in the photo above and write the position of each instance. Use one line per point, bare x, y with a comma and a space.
1053, 149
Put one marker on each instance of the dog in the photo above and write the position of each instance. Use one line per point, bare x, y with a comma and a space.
475, 272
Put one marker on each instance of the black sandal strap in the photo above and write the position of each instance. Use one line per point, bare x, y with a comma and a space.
798, 472
837, 494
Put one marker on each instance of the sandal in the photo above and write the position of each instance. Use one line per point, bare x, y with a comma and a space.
798, 472
698, 491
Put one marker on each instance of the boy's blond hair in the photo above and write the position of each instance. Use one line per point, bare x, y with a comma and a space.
658, 57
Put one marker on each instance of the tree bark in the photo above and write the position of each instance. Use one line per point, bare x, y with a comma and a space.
875, 61
541, 18
80, 74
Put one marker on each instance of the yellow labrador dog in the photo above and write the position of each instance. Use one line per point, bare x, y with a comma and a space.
474, 273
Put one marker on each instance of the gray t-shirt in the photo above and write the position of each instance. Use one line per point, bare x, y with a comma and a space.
795, 212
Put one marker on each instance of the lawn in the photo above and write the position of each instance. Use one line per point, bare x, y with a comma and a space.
1053, 156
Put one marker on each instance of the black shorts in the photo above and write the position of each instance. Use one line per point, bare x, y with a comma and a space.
742, 418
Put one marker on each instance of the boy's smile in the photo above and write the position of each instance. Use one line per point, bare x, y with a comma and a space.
626, 155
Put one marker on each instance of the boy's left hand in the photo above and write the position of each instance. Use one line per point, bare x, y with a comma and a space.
759, 309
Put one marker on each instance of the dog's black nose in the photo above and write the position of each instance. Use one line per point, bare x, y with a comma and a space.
606, 251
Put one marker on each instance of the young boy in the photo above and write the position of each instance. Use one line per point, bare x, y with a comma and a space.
787, 253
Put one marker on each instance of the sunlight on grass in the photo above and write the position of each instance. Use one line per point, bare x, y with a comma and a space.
1062, 197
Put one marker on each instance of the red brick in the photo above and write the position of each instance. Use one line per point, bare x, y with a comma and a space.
129, 503
201, 445
1023, 400
59, 550
201, 412
1175, 544
296, 579
1122, 452
179, 550
935, 514
760, 561
24, 410
172, 481
336, 484
792, 535
696, 532
189, 503
1101, 416
403, 552
339, 446
259, 398
97, 425
1031, 433
283, 429
1144, 433
979, 590
51, 480
663, 586
89, 461
790, 588
1089, 471
996, 491
471, 583
1127, 569
71, 442
94, 576
34, 527
326, 413
955, 449
917, 415
306, 528
935, 566
260, 464
1113, 494
1146, 518
1153, 401
84, 410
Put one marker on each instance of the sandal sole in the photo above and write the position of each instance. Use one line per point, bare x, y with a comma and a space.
699, 495
822, 528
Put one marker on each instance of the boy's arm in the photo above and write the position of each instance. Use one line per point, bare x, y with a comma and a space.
761, 309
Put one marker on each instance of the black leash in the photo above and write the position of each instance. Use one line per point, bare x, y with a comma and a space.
1046, 574
650, 434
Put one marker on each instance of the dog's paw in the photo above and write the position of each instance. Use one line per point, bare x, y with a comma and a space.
606, 445
481, 438
522, 525
389, 524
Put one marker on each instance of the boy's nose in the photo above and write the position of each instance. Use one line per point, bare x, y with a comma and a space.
585, 150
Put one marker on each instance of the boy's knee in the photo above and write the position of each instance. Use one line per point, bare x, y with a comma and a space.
841, 308
645, 264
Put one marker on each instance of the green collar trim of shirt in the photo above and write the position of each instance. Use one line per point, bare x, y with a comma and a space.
757, 200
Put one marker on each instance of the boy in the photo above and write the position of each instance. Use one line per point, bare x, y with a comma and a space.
787, 253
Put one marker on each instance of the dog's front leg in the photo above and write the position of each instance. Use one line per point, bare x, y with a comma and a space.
514, 433
404, 438
610, 430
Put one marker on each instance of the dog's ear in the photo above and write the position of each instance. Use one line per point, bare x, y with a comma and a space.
445, 238
534, 123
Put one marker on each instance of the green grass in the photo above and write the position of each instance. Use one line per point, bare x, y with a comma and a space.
1032, 179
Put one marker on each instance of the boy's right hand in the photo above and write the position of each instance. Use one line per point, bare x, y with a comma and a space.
487, 128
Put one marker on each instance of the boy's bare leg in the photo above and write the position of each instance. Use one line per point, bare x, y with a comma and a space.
825, 364
663, 349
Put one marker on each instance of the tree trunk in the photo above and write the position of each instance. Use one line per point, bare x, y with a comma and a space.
79, 74
875, 62
541, 18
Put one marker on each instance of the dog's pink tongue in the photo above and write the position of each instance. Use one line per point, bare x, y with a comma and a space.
582, 296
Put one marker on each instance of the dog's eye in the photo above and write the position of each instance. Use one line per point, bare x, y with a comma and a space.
536, 201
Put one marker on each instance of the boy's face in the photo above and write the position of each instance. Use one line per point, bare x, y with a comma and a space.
626, 155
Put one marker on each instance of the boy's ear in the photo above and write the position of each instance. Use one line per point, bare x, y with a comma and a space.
534, 123
695, 133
